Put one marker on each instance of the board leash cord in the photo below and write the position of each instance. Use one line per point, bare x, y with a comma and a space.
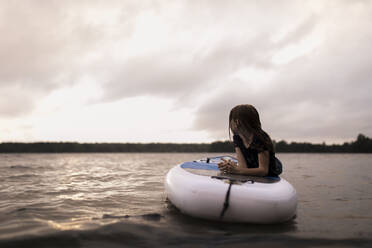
227, 196
226, 203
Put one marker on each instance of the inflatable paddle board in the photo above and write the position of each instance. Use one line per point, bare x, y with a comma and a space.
200, 189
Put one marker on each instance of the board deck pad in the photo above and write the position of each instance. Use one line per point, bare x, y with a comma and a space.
211, 170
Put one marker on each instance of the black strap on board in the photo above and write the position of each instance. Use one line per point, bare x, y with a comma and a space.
226, 203
227, 196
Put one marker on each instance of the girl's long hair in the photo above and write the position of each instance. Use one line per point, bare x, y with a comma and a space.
249, 123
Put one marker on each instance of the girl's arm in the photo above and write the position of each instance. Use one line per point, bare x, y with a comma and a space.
241, 160
241, 167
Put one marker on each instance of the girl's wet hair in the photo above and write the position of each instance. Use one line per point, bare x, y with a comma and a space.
248, 122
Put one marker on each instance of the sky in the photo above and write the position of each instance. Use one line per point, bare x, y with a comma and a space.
170, 71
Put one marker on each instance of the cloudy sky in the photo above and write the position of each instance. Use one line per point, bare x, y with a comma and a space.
170, 71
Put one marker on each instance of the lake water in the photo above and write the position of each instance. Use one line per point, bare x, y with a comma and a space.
118, 200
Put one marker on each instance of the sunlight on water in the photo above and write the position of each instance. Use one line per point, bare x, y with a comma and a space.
74, 224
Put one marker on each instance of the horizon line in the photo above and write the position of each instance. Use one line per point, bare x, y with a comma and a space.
180, 143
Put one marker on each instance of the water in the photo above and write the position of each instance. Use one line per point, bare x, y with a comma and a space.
118, 200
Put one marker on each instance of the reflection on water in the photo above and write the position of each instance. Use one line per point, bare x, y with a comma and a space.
77, 198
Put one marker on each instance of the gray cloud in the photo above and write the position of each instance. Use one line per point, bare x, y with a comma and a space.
179, 74
45, 45
225, 38
324, 95
14, 100
49, 44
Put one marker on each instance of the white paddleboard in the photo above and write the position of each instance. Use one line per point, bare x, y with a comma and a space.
199, 189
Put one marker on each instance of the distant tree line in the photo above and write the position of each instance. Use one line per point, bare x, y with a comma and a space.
362, 144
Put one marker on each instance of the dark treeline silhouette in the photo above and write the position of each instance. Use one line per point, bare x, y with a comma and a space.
362, 144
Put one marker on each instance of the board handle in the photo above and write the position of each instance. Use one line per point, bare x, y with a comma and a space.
233, 180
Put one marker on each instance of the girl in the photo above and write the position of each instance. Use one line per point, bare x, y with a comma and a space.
253, 146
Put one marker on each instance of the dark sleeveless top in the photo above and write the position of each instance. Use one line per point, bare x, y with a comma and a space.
251, 155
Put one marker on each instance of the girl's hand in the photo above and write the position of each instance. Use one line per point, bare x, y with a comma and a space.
223, 165
232, 168
227, 166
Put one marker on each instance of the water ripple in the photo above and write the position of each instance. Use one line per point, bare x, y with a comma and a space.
114, 199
